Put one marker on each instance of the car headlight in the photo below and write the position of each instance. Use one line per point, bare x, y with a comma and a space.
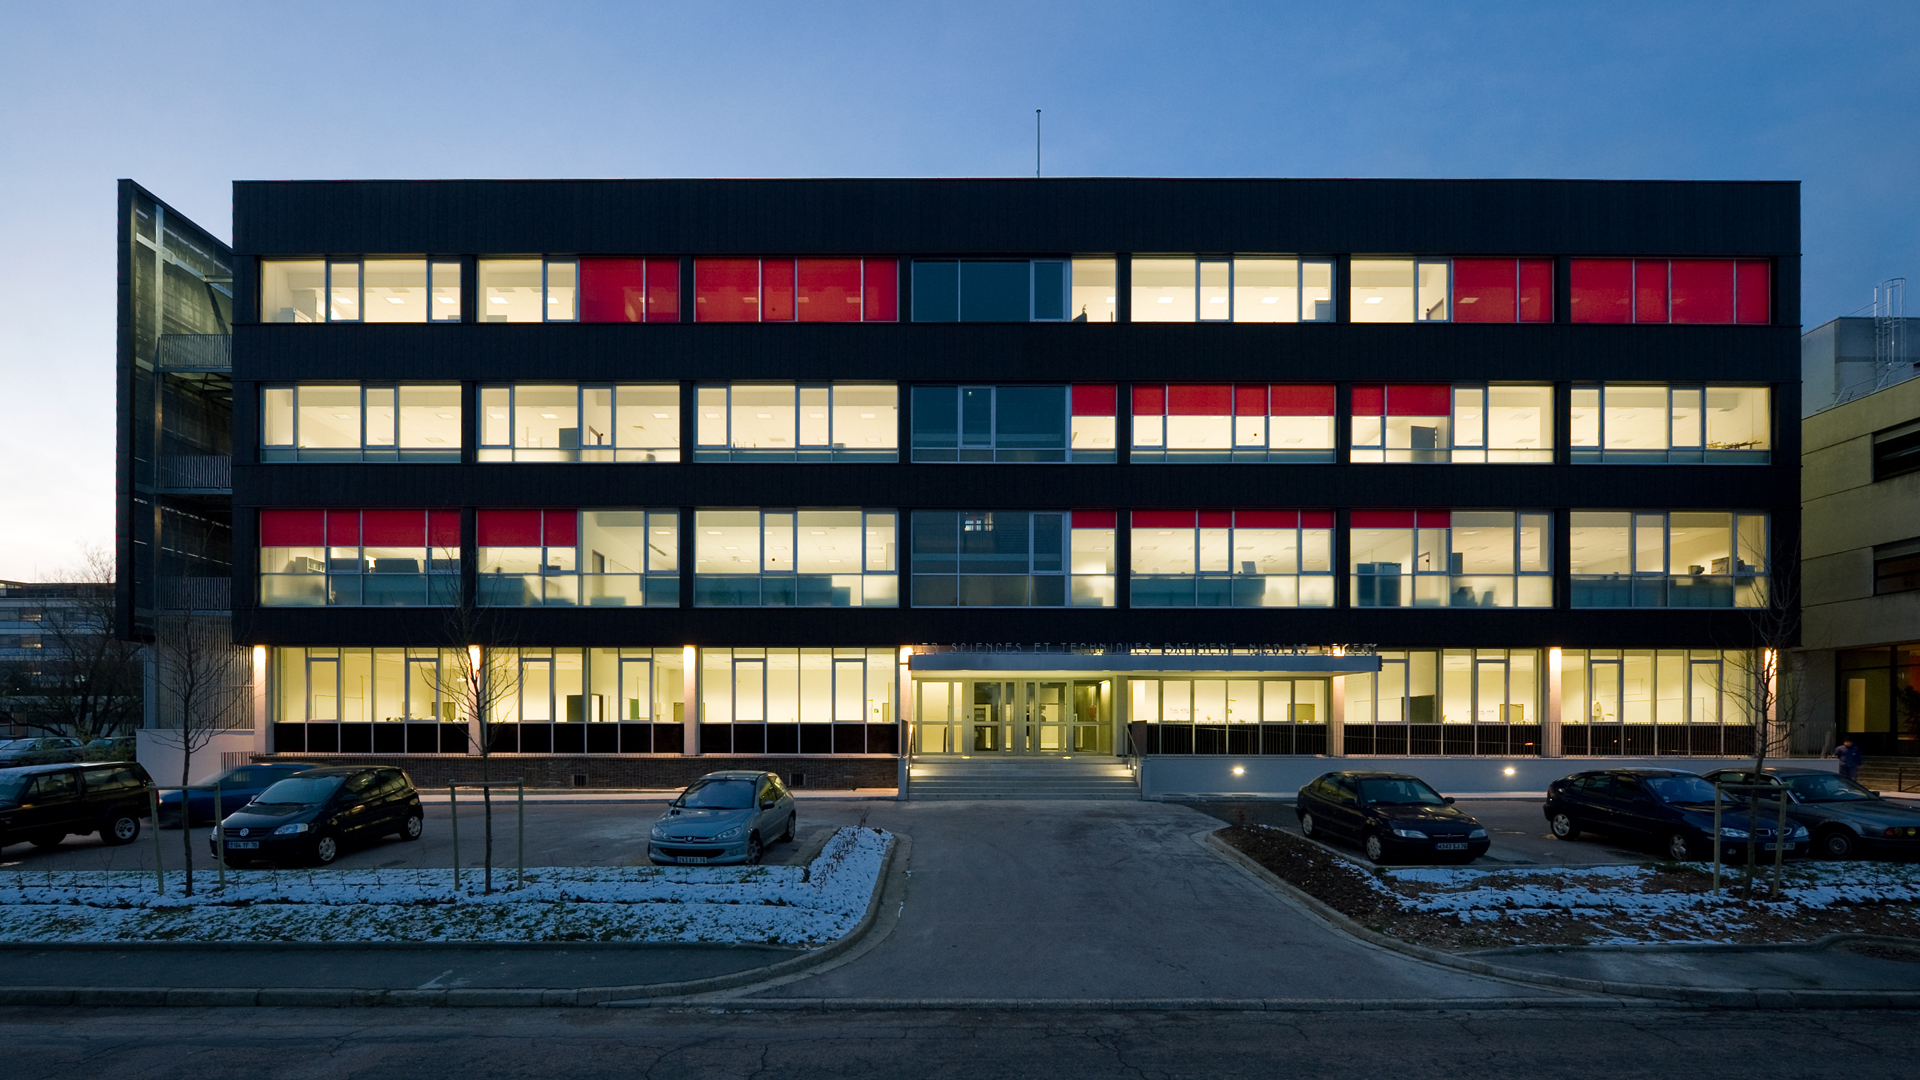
1731, 833
292, 830
1799, 832
728, 834
1408, 834
1477, 834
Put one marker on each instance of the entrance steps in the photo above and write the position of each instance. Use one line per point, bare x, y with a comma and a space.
1091, 778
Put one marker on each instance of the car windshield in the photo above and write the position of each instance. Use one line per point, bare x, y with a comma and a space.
11, 787
718, 795
299, 791
1825, 788
1680, 789
1399, 793
11, 744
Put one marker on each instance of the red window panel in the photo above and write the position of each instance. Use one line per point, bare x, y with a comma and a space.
1149, 401
1249, 401
1753, 291
1316, 519
1095, 399
776, 290
1191, 400
1216, 519
1266, 519
1284, 400
829, 290
1601, 290
1163, 519
1434, 519
1650, 291
293, 528
1382, 519
1420, 400
343, 528
882, 284
1536, 290
1369, 401
393, 528
1094, 519
508, 528
443, 529
613, 290
663, 290
1702, 290
1484, 290
561, 528
726, 290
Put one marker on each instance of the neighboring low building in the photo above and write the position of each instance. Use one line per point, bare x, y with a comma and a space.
1860, 486
62, 671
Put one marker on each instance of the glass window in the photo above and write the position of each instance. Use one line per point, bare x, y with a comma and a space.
1428, 558
796, 290
528, 290
567, 422
796, 701
1381, 291
1091, 558
567, 558
1186, 423
371, 558
1231, 558
629, 290
1605, 688
795, 558
1014, 423
1463, 424
1896, 451
1254, 289
1503, 290
1165, 290
375, 290
785, 422
313, 422
389, 685
1714, 291
989, 558
1094, 285
1682, 424
1661, 559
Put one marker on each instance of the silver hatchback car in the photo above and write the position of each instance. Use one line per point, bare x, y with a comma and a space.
723, 817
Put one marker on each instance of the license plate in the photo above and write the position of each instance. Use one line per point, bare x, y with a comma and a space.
692, 858
1449, 847
243, 845
1773, 847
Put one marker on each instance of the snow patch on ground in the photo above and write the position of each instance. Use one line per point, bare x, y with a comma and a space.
778, 905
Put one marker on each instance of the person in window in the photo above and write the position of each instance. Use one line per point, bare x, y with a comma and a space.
1849, 756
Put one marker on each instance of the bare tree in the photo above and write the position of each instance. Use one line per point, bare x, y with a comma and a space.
205, 685
1772, 693
87, 682
482, 680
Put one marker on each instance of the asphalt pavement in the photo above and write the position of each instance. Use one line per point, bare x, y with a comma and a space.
1516, 827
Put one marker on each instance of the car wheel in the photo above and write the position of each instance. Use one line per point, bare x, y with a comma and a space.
792, 823
1376, 848
49, 841
1838, 844
753, 849
120, 829
1678, 849
1306, 825
413, 827
325, 850
1563, 827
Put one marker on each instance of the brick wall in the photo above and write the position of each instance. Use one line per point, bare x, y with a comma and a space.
607, 771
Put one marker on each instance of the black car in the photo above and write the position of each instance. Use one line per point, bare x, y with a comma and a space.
1390, 816
312, 817
1667, 808
1846, 819
45, 804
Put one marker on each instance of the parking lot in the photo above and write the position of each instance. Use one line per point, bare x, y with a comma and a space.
1516, 827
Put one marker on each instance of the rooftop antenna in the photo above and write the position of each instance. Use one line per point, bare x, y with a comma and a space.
1890, 355
1036, 143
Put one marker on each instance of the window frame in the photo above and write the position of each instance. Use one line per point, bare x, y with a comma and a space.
1447, 582
574, 585
1077, 400
1659, 588
926, 582
1698, 453
439, 576
878, 588
809, 453
1228, 588
1141, 394
367, 452
358, 262
1231, 289
1896, 451
1377, 452
591, 454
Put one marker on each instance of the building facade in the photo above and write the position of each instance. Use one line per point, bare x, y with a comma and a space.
836, 473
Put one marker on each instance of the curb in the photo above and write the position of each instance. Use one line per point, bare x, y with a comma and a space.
1693, 995
500, 997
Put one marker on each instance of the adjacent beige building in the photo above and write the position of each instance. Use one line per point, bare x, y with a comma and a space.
1860, 559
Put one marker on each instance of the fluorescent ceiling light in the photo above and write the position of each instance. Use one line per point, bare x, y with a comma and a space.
549, 416
713, 532
663, 416
1375, 299
763, 416
1269, 299
496, 299
396, 299
1468, 300
445, 299
1166, 299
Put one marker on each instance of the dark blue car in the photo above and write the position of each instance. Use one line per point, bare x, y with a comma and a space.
238, 786
1669, 810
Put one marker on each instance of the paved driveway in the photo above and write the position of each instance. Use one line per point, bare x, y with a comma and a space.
1516, 827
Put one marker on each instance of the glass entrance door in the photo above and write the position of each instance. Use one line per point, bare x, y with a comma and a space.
1013, 717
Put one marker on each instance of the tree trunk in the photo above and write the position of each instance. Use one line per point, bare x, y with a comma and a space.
186, 818
486, 800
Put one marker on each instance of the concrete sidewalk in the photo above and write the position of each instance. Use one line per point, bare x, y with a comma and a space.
1838, 966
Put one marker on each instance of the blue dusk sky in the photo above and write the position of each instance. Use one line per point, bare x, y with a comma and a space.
188, 97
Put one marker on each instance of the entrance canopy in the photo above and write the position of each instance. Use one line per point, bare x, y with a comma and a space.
960, 664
